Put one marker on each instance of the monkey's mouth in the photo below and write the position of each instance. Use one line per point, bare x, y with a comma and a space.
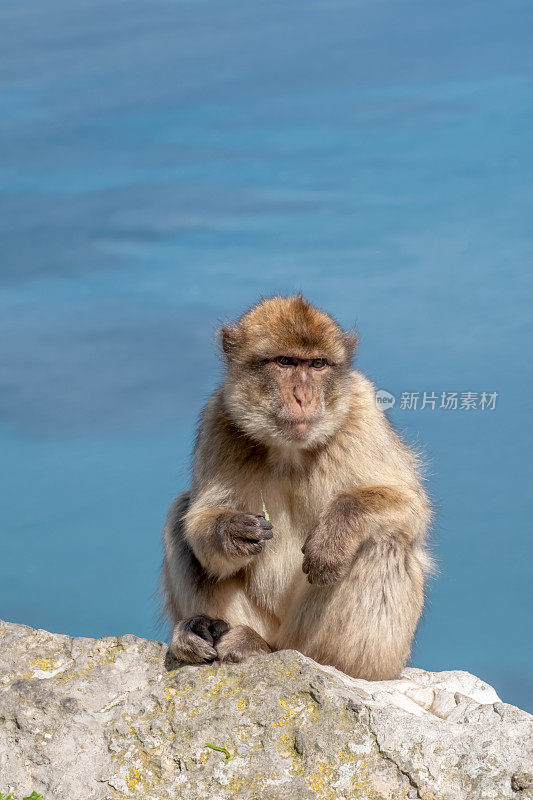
298, 428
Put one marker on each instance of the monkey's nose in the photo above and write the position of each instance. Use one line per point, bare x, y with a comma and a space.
304, 396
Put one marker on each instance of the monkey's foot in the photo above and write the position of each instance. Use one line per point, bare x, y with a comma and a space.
239, 643
193, 640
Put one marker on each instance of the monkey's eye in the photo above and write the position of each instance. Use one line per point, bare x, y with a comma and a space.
318, 363
286, 361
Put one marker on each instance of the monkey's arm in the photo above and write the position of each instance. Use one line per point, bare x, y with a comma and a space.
221, 535
223, 540
359, 514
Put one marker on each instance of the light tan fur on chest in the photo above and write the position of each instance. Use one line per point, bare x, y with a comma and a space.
293, 507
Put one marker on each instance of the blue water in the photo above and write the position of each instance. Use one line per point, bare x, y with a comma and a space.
164, 164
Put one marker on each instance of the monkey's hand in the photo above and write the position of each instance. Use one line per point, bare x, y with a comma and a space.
243, 534
321, 563
330, 547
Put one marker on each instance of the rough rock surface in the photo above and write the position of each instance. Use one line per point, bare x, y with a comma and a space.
117, 718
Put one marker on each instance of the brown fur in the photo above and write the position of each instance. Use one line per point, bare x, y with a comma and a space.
338, 484
239, 643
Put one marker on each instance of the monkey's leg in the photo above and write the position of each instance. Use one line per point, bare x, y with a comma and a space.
364, 623
211, 618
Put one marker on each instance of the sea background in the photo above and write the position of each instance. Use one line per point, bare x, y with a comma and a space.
163, 164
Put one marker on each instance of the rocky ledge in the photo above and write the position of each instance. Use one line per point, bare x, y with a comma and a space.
118, 718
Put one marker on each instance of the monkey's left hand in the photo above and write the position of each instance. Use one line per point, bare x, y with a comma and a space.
321, 563
330, 547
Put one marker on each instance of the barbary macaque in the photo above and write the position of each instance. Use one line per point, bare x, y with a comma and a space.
336, 567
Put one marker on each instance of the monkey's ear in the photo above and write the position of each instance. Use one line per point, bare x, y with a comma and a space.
230, 340
351, 340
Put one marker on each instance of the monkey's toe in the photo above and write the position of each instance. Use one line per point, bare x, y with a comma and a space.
200, 626
217, 628
192, 640
240, 643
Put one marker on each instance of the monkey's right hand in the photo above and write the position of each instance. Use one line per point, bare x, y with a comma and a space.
243, 534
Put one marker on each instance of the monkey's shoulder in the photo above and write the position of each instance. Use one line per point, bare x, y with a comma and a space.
362, 391
219, 437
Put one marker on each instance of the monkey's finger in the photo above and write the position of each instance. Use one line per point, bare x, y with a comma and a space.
200, 626
305, 545
316, 576
249, 520
264, 525
248, 546
250, 539
255, 535
313, 576
323, 577
249, 523
318, 580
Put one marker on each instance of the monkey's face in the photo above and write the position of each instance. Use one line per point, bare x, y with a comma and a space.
289, 400
288, 371
297, 390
